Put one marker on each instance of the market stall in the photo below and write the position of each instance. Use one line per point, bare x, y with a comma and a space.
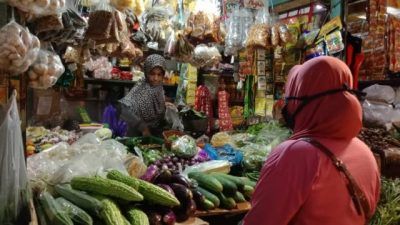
227, 63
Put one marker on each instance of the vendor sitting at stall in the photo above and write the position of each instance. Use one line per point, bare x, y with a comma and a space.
143, 108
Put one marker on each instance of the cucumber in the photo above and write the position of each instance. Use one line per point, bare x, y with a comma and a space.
226, 202
207, 181
237, 180
249, 182
239, 197
229, 187
40, 214
80, 199
208, 205
77, 215
248, 191
210, 196
55, 213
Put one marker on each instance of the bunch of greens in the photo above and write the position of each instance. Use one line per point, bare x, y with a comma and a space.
388, 210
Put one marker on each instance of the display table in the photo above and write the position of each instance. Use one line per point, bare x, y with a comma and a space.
241, 208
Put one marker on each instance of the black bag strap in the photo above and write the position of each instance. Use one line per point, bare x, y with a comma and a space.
357, 195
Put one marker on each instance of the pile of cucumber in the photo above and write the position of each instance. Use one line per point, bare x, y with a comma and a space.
219, 190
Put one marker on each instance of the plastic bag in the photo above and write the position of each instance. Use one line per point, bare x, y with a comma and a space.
48, 23
222, 166
259, 36
110, 117
18, 48
172, 117
100, 22
220, 139
382, 93
205, 56
157, 25
233, 41
101, 67
46, 70
39, 7
86, 157
184, 146
226, 152
379, 114
14, 189
73, 25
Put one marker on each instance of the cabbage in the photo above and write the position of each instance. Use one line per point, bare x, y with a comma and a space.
103, 133
185, 147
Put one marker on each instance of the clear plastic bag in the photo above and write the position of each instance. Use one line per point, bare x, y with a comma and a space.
86, 157
39, 7
184, 146
101, 21
14, 189
382, 93
101, 67
157, 25
46, 70
233, 41
18, 48
222, 166
204, 56
172, 117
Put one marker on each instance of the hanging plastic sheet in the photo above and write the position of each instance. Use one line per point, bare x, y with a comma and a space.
14, 190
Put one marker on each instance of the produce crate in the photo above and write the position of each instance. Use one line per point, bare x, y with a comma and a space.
241, 208
391, 162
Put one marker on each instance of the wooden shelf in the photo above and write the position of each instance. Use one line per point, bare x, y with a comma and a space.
241, 208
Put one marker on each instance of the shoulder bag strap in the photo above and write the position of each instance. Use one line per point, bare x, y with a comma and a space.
357, 195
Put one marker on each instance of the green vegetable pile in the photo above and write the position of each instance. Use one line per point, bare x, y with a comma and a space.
388, 210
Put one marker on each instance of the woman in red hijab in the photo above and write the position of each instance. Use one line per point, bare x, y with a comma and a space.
299, 184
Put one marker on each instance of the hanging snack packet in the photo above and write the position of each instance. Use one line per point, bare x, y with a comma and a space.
334, 42
101, 21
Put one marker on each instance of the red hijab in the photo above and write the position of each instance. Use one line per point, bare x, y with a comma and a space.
338, 115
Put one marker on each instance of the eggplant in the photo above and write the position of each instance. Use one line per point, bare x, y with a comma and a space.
180, 179
169, 218
163, 177
167, 188
198, 197
191, 208
155, 218
185, 211
151, 172
182, 193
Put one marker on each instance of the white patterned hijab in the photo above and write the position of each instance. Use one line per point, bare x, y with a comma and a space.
146, 101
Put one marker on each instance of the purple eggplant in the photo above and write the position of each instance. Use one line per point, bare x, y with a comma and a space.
151, 173
167, 188
180, 179
182, 193
185, 211
163, 177
198, 197
155, 218
169, 218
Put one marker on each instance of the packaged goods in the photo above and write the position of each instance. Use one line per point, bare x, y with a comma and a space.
18, 48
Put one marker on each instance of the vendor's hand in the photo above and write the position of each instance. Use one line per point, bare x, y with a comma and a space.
146, 132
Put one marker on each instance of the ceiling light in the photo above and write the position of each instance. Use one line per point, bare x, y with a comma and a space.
319, 7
